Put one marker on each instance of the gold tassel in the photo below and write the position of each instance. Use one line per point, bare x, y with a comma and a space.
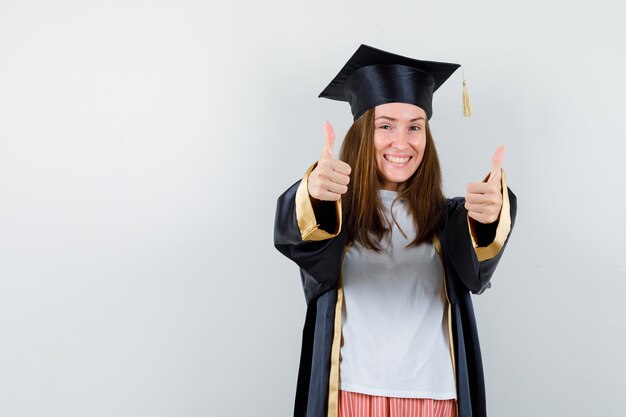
467, 104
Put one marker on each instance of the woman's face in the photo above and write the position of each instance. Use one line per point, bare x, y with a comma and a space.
399, 142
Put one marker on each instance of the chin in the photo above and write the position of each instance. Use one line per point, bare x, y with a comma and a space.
398, 178
395, 182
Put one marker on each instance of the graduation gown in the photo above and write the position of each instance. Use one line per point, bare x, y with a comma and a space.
316, 241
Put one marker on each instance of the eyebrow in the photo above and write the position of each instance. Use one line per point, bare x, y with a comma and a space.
395, 120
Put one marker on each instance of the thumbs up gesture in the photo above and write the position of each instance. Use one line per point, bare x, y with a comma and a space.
330, 178
483, 200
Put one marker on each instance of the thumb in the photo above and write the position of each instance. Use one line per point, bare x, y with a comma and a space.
329, 142
496, 165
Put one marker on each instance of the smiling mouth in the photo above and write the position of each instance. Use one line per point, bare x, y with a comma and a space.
397, 160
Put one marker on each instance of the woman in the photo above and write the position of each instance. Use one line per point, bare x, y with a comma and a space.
387, 262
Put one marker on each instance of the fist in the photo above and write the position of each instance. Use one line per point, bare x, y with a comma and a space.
330, 178
483, 200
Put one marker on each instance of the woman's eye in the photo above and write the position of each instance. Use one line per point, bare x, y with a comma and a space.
386, 127
415, 128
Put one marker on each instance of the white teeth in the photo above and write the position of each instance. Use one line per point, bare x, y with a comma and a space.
397, 160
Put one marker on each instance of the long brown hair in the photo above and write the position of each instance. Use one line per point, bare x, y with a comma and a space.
362, 206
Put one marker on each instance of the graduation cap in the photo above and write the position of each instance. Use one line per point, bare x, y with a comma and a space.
372, 77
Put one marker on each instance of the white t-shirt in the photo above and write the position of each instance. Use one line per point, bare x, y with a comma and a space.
394, 323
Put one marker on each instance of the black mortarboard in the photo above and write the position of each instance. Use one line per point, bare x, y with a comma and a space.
372, 77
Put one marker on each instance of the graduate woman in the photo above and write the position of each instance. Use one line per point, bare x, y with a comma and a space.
386, 261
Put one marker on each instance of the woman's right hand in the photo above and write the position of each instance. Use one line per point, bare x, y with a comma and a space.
330, 178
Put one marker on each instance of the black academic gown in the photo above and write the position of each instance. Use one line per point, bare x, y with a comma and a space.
316, 242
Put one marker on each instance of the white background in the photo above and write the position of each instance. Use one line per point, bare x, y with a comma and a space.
143, 146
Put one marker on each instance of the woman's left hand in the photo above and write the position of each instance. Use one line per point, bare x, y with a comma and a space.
483, 200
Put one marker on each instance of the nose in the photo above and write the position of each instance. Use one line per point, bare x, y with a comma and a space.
400, 141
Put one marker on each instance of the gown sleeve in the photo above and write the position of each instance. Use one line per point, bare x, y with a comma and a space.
474, 249
309, 232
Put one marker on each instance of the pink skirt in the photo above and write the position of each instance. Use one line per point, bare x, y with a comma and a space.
354, 404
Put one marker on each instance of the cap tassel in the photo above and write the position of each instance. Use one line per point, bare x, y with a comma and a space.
467, 104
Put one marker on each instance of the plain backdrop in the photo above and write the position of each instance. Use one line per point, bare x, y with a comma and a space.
143, 145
